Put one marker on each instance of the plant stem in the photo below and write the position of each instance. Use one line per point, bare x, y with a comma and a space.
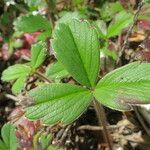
40, 75
102, 121
129, 31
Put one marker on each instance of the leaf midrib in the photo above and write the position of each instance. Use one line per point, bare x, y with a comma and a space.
60, 97
80, 57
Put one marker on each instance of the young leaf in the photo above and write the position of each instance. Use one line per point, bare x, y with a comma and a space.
125, 86
38, 54
77, 47
9, 137
18, 85
122, 20
16, 71
58, 103
33, 23
56, 71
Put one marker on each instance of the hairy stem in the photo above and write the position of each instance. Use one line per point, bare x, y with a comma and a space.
42, 77
102, 121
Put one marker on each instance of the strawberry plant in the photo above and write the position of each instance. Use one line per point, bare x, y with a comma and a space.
77, 47
77, 44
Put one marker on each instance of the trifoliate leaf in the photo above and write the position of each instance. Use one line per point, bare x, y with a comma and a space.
16, 71
128, 85
9, 136
77, 47
19, 85
38, 54
122, 20
56, 71
33, 23
58, 103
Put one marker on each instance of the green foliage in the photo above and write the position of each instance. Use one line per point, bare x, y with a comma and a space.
45, 140
101, 27
20, 72
148, 1
56, 71
68, 16
108, 10
78, 2
58, 102
38, 54
116, 7
9, 138
42, 140
19, 85
34, 3
125, 86
33, 23
122, 20
108, 52
77, 48
16, 71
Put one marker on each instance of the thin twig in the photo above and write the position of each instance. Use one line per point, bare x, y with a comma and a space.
40, 75
102, 121
96, 128
12, 97
129, 32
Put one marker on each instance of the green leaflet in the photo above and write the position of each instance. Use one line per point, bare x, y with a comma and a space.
58, 103
38, 54
56, 71
33, 23
16, 71
122, 20
9, 137
128, 85
19, 85
77, 48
